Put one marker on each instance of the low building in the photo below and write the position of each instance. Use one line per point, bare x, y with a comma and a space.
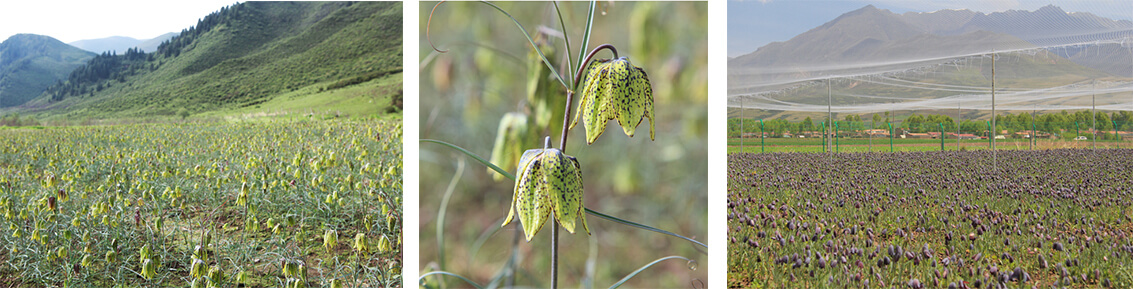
963, 136
915, 135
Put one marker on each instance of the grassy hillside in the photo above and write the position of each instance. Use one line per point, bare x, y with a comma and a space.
30, 63
240, 58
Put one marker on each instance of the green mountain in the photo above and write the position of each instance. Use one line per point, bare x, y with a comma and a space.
30, 63
284, 55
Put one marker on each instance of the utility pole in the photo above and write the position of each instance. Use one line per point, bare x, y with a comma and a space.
742, 123
830, 114
1094, 113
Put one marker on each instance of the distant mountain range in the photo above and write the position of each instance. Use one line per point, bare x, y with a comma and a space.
30, 63
880, 61
873, 40
121, 43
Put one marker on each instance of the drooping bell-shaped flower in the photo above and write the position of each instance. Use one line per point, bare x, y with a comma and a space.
547, 181
614, 89
512, 137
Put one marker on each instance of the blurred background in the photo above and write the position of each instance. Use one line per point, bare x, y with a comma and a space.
662, 183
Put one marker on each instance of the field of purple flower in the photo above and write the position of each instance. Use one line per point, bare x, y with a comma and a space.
931, 219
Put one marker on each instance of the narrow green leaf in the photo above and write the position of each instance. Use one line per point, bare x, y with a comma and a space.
643, 227
631, 275
474, 156
529, 40
466, 280
566, 39
585, 38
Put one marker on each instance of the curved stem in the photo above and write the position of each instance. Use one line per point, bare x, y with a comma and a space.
430, 24
570, 93
582, 65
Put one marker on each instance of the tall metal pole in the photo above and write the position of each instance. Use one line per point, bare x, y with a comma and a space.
830, 113
1034, 109
742, 124
958, 118
1094, 113
994, 130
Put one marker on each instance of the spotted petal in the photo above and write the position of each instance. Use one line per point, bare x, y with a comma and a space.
530, 199
547, 181
615, 89
566, 181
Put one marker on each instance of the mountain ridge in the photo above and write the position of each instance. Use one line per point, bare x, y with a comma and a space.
29, 63
120, 43
867, 23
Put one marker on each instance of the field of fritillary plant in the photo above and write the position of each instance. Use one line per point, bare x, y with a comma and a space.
253, 204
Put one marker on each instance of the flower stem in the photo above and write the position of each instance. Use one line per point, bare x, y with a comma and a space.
554, 253
562, 148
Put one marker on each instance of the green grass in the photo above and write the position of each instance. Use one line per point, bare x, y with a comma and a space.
360, 100
112, 185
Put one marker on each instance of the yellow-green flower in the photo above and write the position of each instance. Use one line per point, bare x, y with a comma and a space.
360, 243
111, 256
149, 269
544, 94
384, 245
200, 252
330, 239
216, 276
197, 269
512, 137
548, 181
614, 89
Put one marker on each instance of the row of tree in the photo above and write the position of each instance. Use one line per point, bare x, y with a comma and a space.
100, 72
1053, 123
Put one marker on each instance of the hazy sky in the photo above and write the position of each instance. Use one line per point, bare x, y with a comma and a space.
70, 21
754, 23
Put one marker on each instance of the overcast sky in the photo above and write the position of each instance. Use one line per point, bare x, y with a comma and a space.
754, 23
70, 21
